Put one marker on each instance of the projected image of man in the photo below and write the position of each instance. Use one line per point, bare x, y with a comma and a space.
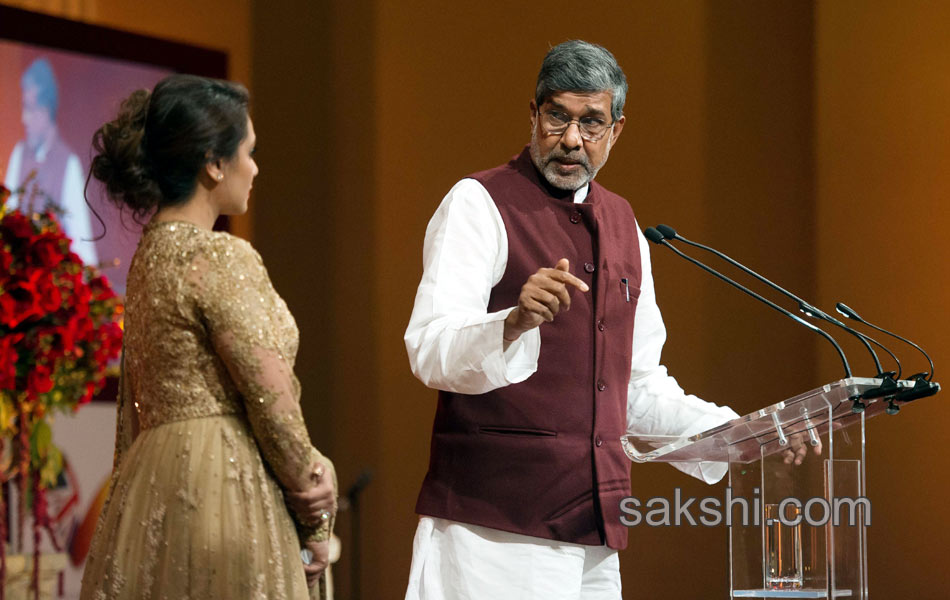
59, 172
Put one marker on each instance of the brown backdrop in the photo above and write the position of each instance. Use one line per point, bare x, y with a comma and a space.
736, 118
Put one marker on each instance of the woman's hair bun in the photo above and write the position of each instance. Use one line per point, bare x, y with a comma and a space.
121, 163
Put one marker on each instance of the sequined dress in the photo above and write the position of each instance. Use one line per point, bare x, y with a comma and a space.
209, 423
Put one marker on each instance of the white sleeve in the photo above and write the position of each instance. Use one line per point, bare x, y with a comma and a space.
655, 402
76, 221
454, 343
10, 177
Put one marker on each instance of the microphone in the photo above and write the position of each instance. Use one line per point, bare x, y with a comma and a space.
656, 237
851, 314
888, 384
923, 382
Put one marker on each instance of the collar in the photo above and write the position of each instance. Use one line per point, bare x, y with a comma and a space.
43, 150
581, 194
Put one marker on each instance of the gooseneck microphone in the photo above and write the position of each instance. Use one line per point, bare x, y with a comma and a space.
889, 385
851, 314
656, 237
923, 382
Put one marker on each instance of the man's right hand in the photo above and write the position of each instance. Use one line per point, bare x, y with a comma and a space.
542, 297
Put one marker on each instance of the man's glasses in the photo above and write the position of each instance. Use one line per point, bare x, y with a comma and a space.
592, 129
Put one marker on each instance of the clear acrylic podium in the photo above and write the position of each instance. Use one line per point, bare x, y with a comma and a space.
817, 546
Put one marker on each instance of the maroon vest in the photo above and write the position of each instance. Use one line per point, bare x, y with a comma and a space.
543, 457
49, 173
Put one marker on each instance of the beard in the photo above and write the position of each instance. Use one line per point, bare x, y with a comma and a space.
549, 165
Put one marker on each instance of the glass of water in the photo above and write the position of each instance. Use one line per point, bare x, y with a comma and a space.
783, 547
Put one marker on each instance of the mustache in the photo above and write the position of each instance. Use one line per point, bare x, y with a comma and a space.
557, 154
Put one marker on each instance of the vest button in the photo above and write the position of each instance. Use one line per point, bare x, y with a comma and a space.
575, 217
599, 442
601, 386
589, 267
601, 325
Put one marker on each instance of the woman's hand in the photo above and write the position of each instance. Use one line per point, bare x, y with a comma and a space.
319, 561
316, 504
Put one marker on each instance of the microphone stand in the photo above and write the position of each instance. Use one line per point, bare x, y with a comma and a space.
658, 238
352, 504
888, 385
923, 382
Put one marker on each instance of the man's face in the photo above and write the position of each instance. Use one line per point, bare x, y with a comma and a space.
37, 121
567, 161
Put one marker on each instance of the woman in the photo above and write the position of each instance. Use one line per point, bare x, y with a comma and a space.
208, 396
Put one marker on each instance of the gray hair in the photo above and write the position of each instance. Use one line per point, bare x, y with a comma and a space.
579, 66
40, 75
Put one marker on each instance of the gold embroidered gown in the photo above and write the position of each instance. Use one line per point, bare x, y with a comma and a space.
209, 429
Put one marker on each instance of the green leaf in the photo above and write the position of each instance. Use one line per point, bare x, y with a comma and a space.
42, 438
7, 412
49, 472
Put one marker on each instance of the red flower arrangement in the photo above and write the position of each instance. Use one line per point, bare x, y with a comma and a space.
59, 330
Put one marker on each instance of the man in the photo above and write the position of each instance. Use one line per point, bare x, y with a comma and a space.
537, 321
58, 171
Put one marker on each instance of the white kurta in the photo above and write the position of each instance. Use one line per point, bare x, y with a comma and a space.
75, 218
455, 344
